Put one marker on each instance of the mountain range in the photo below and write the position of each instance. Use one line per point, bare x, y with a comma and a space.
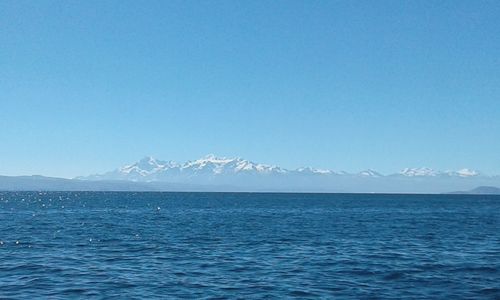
222, 173
150, 169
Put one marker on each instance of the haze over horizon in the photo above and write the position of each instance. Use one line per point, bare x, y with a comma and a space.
420, 170
149, 161
89, 86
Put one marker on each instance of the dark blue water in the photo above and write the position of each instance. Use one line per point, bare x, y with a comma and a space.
205, 245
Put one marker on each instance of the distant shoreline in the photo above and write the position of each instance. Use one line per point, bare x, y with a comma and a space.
379, 186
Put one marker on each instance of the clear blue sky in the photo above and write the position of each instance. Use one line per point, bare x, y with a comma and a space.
86, 86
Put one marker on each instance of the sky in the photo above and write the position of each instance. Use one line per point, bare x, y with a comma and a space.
88, 86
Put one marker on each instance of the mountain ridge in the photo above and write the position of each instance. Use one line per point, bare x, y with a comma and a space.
222, 174
151, 169
480, 190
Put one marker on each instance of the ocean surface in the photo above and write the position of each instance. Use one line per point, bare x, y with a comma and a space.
105, 245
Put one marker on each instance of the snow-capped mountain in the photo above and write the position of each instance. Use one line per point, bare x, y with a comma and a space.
412, 172
428, 172
212, 168
238, 173
212, 164
150, 169
309, 170
464, 173
370, 173
147, 166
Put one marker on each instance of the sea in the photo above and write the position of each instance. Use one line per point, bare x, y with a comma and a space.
127, 245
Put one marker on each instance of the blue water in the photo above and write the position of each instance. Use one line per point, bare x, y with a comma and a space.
208, 245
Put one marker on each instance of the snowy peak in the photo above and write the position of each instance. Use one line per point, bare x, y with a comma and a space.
149, 164
426, 172
151, 169
211, 167
211, 158
464, 173
248, 166
413, 172
224, 165
369, 173
146, 166
309, 170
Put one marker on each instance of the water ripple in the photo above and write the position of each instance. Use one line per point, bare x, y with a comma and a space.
219, 246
